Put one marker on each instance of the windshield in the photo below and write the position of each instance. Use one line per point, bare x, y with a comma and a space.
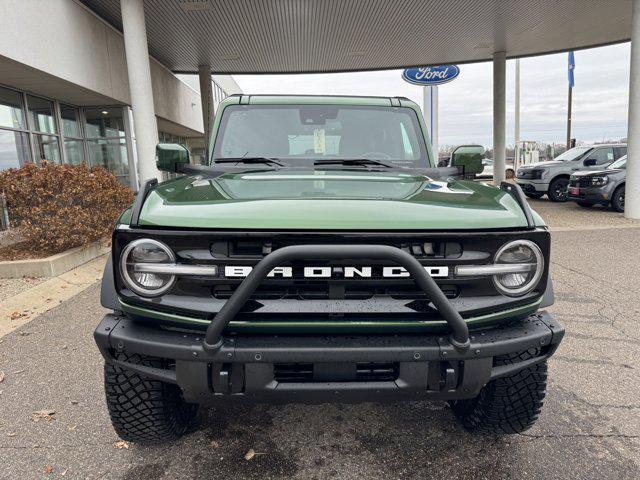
572, 154
621, 163
302, 134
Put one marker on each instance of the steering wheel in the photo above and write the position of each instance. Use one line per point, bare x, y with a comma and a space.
373, 155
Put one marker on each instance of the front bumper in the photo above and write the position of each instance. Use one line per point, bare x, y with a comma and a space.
591, 194
326, 368
539, 186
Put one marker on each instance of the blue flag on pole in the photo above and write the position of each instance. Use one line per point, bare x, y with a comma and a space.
572, 66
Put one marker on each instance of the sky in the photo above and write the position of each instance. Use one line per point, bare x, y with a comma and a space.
600, 96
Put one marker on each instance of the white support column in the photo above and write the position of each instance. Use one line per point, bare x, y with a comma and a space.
206, 96
430, 111
632, 189
516, 130
144, 118
499, 115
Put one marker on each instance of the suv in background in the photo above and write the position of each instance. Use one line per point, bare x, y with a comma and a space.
604, 187
552, 178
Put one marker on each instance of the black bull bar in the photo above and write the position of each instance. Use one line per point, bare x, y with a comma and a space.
459, 337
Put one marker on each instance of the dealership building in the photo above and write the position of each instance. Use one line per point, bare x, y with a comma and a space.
66, 96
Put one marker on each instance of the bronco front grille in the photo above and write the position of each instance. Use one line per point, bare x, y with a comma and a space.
299, 298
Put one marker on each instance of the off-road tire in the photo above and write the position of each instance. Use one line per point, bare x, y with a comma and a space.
556, 193
535, 195
585, 204
508, 404
617, 199
144, 410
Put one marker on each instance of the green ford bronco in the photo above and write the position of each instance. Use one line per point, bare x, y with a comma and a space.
321, 256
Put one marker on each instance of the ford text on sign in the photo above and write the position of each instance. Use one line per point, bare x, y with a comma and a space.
431, 75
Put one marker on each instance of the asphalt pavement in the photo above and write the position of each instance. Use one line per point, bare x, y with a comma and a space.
589, 428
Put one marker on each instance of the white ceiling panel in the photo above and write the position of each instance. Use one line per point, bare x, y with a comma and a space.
278, 36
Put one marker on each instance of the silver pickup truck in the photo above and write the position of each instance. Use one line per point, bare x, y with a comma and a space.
552, 178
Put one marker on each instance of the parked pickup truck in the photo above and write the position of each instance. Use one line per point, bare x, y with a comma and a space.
321, 256
600, 187
552, 178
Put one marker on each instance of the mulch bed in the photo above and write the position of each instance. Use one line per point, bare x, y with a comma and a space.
22, 251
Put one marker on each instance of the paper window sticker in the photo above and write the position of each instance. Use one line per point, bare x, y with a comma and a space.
319, 145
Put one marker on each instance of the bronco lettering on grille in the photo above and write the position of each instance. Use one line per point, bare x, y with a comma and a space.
329, 272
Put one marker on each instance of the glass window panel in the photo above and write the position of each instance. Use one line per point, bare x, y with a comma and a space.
602, 155
70, 122
41, 114
11, 109
74, 151
408, 148
110, 154
302, 133
14, 149
47, 148
104, 122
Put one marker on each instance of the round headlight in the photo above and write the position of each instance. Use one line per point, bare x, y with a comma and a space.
140, 254
528, 266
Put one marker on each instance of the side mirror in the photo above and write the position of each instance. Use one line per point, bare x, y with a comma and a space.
470, 157
170, 156
590, 162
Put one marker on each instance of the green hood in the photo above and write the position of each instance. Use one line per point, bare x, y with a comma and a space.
329, 200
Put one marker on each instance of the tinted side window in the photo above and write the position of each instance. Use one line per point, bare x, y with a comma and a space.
602, 156
621, 152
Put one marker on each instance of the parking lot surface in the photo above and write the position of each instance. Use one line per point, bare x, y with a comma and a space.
589, 428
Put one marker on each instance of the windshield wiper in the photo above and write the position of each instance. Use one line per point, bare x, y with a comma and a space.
250, 160
353, 161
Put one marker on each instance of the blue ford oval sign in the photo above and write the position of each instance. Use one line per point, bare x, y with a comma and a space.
431, 75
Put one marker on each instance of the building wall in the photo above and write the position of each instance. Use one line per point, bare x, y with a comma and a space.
67, 52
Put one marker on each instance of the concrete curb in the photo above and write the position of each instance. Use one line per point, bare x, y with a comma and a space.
54, 265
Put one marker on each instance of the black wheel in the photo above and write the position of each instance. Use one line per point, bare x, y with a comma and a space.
143, 410
584, 204
534, 194
617, 200
558, 190
508, 404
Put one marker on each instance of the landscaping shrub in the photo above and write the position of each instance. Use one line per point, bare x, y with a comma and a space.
58, 207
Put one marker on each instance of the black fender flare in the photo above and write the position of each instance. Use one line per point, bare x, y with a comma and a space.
548, 298
108, 294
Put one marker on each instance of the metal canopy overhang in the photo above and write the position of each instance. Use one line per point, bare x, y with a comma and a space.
295, 36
